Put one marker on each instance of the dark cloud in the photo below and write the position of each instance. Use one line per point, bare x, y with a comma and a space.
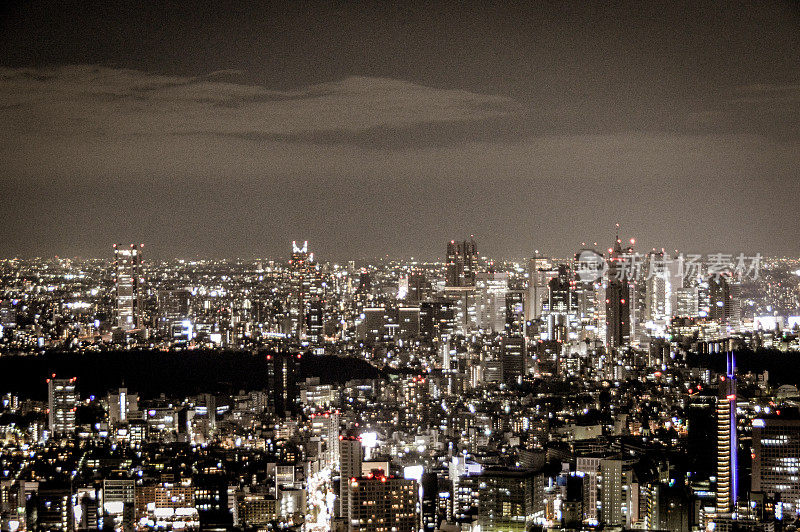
71, 101
232, 129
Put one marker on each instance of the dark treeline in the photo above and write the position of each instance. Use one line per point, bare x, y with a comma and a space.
174, 373
783, 368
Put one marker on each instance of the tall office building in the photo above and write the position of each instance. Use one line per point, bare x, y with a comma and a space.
364, 282
122, 406
350, 459
559, 292
540, 271
776, 461
431, 517
724, 295
63, 401
514, 354
129, 284
560, 304
687, 302
657, 288
618, 312
408, 322
701, 437
589, 300
727, 442
462, 263
283, 375
490, 304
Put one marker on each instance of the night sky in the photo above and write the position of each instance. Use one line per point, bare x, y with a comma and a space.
229, 130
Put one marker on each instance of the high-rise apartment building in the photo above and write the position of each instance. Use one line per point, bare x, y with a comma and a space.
727, 442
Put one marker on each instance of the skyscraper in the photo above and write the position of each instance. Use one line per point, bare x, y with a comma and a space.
129, 283
618, 313
302, 277
63, 400
560, 304
727, 443
462, 263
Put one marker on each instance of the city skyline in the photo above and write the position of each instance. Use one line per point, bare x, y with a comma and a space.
465, 394
634, 248
285, 266
214, 132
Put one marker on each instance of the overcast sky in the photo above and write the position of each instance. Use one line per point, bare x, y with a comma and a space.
207, 129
